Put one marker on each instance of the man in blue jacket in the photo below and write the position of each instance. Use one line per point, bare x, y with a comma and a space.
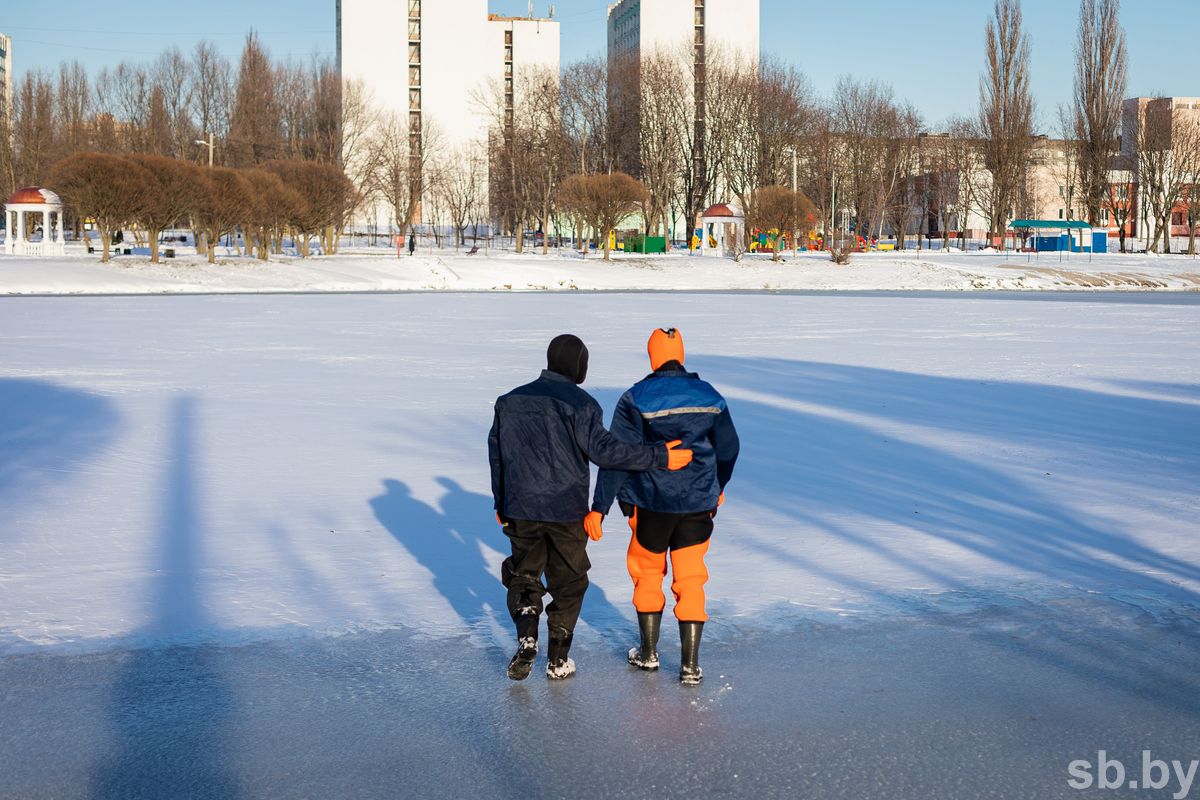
543, 436
669, 511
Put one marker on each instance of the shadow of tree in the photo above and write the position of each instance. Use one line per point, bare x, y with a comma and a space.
46, 430
170, 707
882, 494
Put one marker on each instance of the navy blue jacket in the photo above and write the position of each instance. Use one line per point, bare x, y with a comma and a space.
543, 436
672, 403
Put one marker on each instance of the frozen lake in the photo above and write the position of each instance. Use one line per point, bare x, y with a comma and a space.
248, 549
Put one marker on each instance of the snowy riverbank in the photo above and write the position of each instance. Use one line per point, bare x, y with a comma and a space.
364, 270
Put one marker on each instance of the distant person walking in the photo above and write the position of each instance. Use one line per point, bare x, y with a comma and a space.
543, 436
670, 513
412, 242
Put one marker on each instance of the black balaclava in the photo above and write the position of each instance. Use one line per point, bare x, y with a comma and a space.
568, 356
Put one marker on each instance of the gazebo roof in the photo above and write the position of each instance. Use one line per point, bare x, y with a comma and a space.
34, 196
720, 210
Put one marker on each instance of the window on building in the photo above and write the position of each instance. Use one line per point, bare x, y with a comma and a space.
414, 99
414, 76
414, 30
414, 8
414, 53
508, 37
1061, 212
1104, 215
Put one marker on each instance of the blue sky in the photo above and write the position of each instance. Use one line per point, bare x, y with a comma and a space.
931, 51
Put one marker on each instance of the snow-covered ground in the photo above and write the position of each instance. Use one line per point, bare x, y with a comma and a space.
959, 551
363, 270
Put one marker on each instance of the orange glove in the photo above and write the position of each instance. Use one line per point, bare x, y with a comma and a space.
503, 524
677, 459
592, 523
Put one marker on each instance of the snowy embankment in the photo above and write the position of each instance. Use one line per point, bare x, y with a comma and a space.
367, 270
235, 468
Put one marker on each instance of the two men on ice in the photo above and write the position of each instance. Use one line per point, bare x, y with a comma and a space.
543, 436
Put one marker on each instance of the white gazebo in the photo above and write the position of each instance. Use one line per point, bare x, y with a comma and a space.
722, 227
20, 240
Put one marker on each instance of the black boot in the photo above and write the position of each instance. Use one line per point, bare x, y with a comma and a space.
689, 652
522, 661
558, 665
646, 657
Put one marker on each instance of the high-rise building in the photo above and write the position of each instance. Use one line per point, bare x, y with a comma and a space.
441, 64
696, 32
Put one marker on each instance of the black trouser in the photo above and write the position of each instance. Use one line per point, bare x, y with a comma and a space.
558, 549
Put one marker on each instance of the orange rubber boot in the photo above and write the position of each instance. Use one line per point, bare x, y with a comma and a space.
647, 570
688, 578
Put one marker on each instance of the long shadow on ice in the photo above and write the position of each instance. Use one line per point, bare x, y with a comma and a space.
832, 473
909, 502
448, 540
47, 430
170, 706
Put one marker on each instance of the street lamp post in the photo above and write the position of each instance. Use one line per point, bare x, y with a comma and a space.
795, 189
211, 144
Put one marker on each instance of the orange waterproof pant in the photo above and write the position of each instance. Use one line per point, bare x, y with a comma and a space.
688, 576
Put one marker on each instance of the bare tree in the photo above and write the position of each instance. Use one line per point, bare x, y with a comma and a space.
175, 191
35, 139
585, 114
74, 108
256, 122
781, 211
601, 202
665, 109
401, 167
1167, 145
108, 189
461, 189
211, 91
173, 78
1005, 114
223, 205
1100, 69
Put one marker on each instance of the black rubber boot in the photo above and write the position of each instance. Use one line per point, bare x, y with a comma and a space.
689, 653
522, 661
646, 657
558, 664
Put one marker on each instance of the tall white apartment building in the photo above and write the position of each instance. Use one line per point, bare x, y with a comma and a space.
441, 64
6, 76
691, 30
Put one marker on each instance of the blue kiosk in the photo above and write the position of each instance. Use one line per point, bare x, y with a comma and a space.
1061, 236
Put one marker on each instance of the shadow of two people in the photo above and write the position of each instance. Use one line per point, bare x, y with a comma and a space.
449, 540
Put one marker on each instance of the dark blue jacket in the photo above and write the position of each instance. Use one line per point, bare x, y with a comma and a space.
543, 436
673, 403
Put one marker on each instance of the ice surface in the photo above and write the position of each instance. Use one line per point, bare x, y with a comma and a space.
987, 704
960, 549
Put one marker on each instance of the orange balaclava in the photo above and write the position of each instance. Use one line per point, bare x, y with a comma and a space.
665, 345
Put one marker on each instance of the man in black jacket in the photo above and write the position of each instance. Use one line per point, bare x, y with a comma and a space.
543, 436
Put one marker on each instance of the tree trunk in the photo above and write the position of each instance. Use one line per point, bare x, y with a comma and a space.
153, 234
520, 243
106, 235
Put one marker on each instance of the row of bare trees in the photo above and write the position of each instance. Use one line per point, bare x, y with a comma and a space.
300, 200
254, 111
863, 158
